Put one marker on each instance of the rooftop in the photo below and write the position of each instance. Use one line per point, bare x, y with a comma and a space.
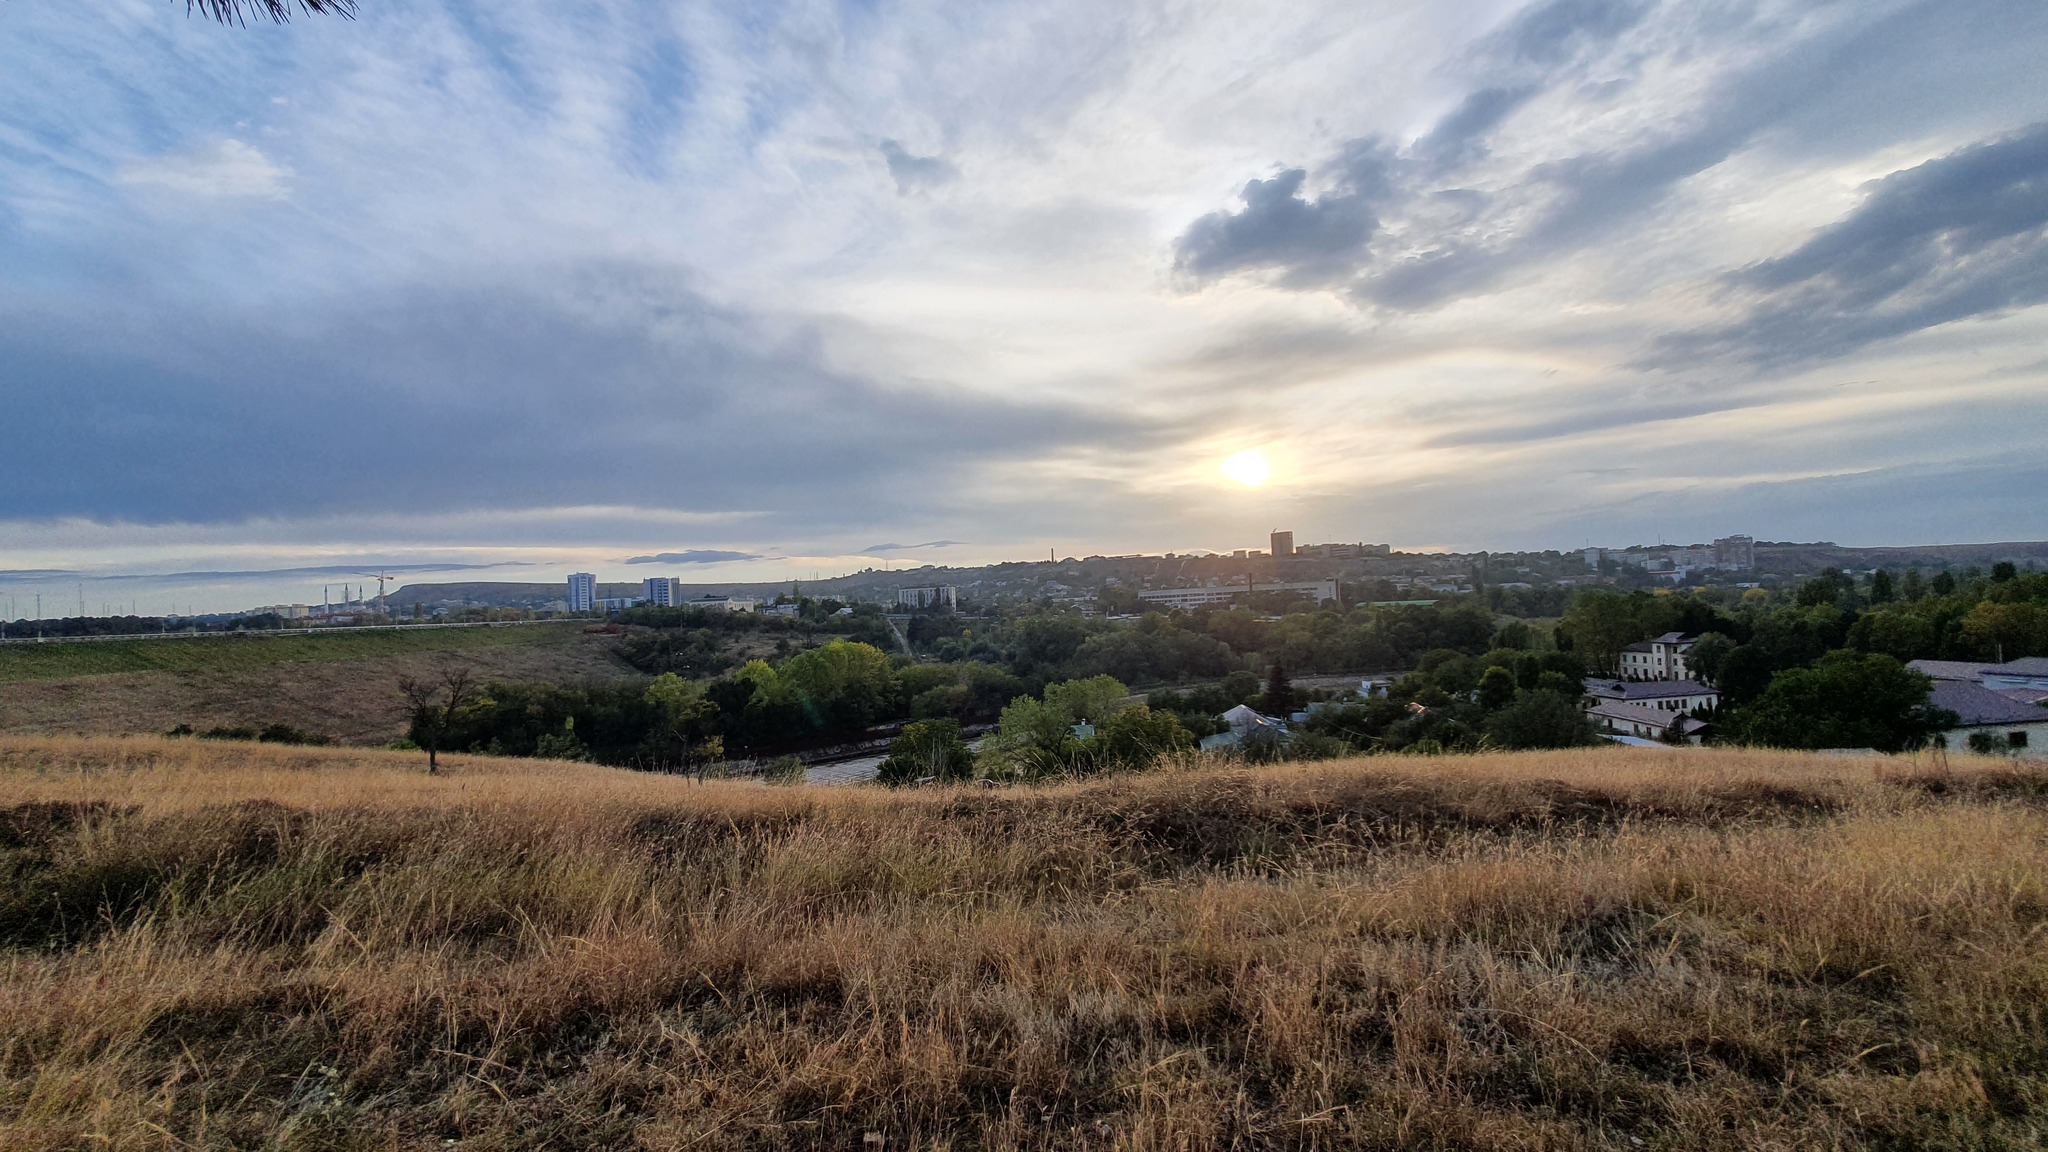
1976, 705
1646, 689
1947, 669
1617, 710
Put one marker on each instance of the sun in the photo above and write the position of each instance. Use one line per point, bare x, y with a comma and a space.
1248, 468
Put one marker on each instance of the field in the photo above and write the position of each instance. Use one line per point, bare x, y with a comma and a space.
212, 946
340, 685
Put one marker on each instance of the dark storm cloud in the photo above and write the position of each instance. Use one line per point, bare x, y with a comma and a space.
614, 387
1309, 242
916, 173
1415, 227
881, 548
1962, 235
693, 556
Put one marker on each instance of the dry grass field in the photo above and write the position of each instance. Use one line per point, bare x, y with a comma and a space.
341, 686
212, 946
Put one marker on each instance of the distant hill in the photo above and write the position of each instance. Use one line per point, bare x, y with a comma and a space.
1775, 557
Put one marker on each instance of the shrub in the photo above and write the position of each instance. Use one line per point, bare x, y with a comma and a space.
927, 749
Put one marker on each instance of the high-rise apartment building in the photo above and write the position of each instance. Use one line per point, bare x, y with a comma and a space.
660, 591
1283, 545
582, 591
1736, 552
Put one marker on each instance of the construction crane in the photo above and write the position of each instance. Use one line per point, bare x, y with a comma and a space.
380, 578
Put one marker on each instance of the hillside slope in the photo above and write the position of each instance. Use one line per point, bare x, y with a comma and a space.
341, 685
248, 946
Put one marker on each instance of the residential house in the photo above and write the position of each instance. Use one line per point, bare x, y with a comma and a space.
1998, 707
1661, 658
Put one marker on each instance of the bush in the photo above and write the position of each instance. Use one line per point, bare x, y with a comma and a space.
1136, 737
783, 770
927, 749
1540, 720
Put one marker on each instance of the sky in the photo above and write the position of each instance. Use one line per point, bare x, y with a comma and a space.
498, 290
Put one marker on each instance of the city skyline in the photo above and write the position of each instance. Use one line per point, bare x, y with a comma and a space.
442, 286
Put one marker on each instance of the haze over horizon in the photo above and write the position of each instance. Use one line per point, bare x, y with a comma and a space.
742, 294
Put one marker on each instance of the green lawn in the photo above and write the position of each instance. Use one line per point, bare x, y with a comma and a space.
56, 661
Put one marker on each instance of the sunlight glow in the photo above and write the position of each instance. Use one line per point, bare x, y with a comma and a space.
1248, 468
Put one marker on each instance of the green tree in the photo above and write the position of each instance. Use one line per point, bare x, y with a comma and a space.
1895, 633
1278, 699
842, 686
1090, 701
927, 749
1706, 656
1601, 624
1943, 584
1913, 587
1496, 688
1514, 634
1745, 672
1881, 587
1540, 719
2003, 571
1845, 700
1032, 739
1136, 737
680, 710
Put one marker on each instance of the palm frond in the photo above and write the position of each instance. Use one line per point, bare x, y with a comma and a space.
279, 11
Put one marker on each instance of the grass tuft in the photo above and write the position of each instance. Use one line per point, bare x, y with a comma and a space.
223, 946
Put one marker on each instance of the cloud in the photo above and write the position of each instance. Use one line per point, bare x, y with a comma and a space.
226, 169
877, 549
1447, 216
1551, 33
917, 173
585, 387
693, 556
1962, 235
365, 569
1310, 242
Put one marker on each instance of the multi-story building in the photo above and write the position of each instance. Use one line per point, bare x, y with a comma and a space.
1681, 696
1736, 553
582, 592
1318, 590
1283, 545
719, 604
929, 596
1661, 658
660, 591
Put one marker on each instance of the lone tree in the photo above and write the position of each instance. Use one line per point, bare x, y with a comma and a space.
1279, 696
278, 11
435, 705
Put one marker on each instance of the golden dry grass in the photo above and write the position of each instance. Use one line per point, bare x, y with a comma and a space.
234, 946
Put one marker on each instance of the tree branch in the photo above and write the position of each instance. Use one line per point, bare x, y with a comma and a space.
279, 11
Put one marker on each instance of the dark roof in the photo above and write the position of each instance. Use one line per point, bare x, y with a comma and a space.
1977, 705
1642, 714
1948, 669
2024, 666
1667, 638
1646, 689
